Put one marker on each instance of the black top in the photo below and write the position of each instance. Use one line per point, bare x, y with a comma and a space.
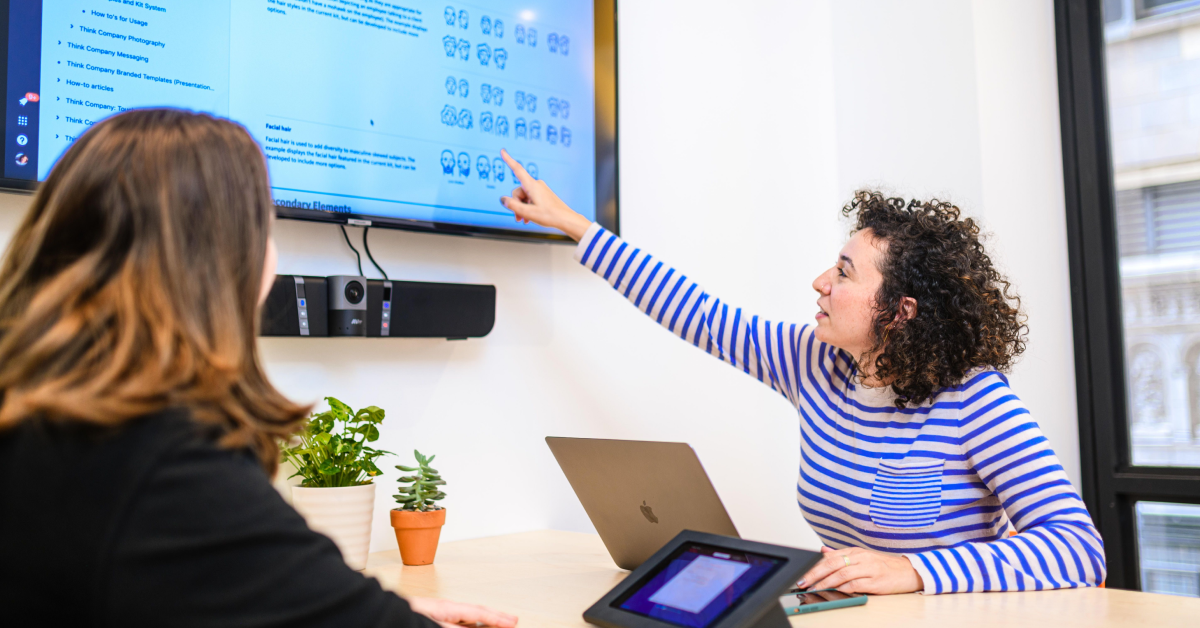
154, 525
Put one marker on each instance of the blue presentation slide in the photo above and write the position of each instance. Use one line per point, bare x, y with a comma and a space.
395, 108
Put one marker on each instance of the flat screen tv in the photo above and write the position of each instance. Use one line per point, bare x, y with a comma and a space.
387, 112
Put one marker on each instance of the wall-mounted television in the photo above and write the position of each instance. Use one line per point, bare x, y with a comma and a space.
387, 112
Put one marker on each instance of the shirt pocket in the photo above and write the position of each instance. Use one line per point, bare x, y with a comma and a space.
907, 494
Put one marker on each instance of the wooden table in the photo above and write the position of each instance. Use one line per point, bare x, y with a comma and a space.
549, 578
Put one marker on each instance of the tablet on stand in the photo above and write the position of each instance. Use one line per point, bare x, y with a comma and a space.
700, 580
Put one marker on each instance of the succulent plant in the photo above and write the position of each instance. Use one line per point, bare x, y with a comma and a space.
419, 491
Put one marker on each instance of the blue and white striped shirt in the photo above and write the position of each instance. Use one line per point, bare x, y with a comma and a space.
946, 484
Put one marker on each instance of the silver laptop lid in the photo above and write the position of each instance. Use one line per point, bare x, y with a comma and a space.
640, 494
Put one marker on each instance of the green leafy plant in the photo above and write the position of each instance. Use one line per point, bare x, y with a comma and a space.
332, 450
419, 492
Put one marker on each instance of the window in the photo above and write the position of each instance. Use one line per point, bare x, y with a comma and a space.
1129, 89
1169, 546
1149, 8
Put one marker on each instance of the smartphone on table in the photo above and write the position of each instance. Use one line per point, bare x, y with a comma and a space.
798, 601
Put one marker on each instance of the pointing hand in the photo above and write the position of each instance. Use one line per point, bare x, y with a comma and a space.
535, 202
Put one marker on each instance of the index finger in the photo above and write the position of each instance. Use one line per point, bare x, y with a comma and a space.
518, 170
827, 565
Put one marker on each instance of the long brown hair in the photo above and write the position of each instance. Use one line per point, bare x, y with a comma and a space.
132, 284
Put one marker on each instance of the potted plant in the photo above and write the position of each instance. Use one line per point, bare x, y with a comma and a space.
418, 520
337, 495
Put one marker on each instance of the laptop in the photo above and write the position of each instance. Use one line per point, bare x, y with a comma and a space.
640, 494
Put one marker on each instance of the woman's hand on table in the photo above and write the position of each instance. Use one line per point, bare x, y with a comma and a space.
454, 614
535, 202
857, 570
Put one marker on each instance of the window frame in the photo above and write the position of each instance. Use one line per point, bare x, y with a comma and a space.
1111, 484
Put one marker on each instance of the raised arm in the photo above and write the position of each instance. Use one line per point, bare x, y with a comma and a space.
771, 351
1056, 547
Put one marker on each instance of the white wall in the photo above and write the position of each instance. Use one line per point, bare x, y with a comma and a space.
742, 133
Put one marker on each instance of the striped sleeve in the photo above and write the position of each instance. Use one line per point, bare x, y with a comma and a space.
1056, 547
770, 351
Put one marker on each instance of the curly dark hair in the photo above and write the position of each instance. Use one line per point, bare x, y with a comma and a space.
967, 314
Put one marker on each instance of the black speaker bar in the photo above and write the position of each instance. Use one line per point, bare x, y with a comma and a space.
299, 306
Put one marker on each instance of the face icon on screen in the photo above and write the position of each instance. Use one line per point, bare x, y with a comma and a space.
535, 130
464, 165
485, 92
552, 42
501, 58
564, 44
464, 20
551, 134
498, 29
530, 103
451, 45
497, 96
483, 167
451, 85
498, 170
485, 122
465, 121
532, 170
22, 159
449, 115
485, 25
531, 37
502, 126
564, 136
464, 89
519, 127
484, 52
564, 109
552, 105
450, 16
519, 97
447, 162
464, 50
519, 33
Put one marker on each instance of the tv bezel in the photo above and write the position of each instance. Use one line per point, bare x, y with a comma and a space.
606, 169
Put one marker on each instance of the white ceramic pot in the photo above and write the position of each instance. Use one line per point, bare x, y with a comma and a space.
343, 514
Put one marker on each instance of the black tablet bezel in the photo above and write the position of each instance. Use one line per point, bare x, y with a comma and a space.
606, 170
753, 607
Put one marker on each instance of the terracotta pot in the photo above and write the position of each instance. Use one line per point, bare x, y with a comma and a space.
417, 534
342, 514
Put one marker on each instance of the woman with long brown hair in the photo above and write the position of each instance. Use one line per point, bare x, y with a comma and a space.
137, 428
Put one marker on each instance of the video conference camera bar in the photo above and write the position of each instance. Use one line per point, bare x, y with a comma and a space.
349, 305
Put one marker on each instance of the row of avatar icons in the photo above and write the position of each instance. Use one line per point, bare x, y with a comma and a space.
498, 125
498, 57
556, 43
486, 169
491, 95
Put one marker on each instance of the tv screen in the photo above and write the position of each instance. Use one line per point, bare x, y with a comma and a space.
387, 112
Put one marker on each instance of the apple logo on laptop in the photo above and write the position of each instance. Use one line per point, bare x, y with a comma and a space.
648, 513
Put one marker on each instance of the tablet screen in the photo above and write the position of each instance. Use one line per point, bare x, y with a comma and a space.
698, 584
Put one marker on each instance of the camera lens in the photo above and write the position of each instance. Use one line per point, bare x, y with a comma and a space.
354, 292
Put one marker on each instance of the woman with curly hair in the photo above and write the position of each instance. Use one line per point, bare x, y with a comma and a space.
920, 468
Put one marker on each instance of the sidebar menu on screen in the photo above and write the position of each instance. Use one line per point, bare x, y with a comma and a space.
23, 104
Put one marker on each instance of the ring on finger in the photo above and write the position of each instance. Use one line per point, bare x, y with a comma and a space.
846, 557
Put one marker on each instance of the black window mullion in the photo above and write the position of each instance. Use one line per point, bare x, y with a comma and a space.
1091, 240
